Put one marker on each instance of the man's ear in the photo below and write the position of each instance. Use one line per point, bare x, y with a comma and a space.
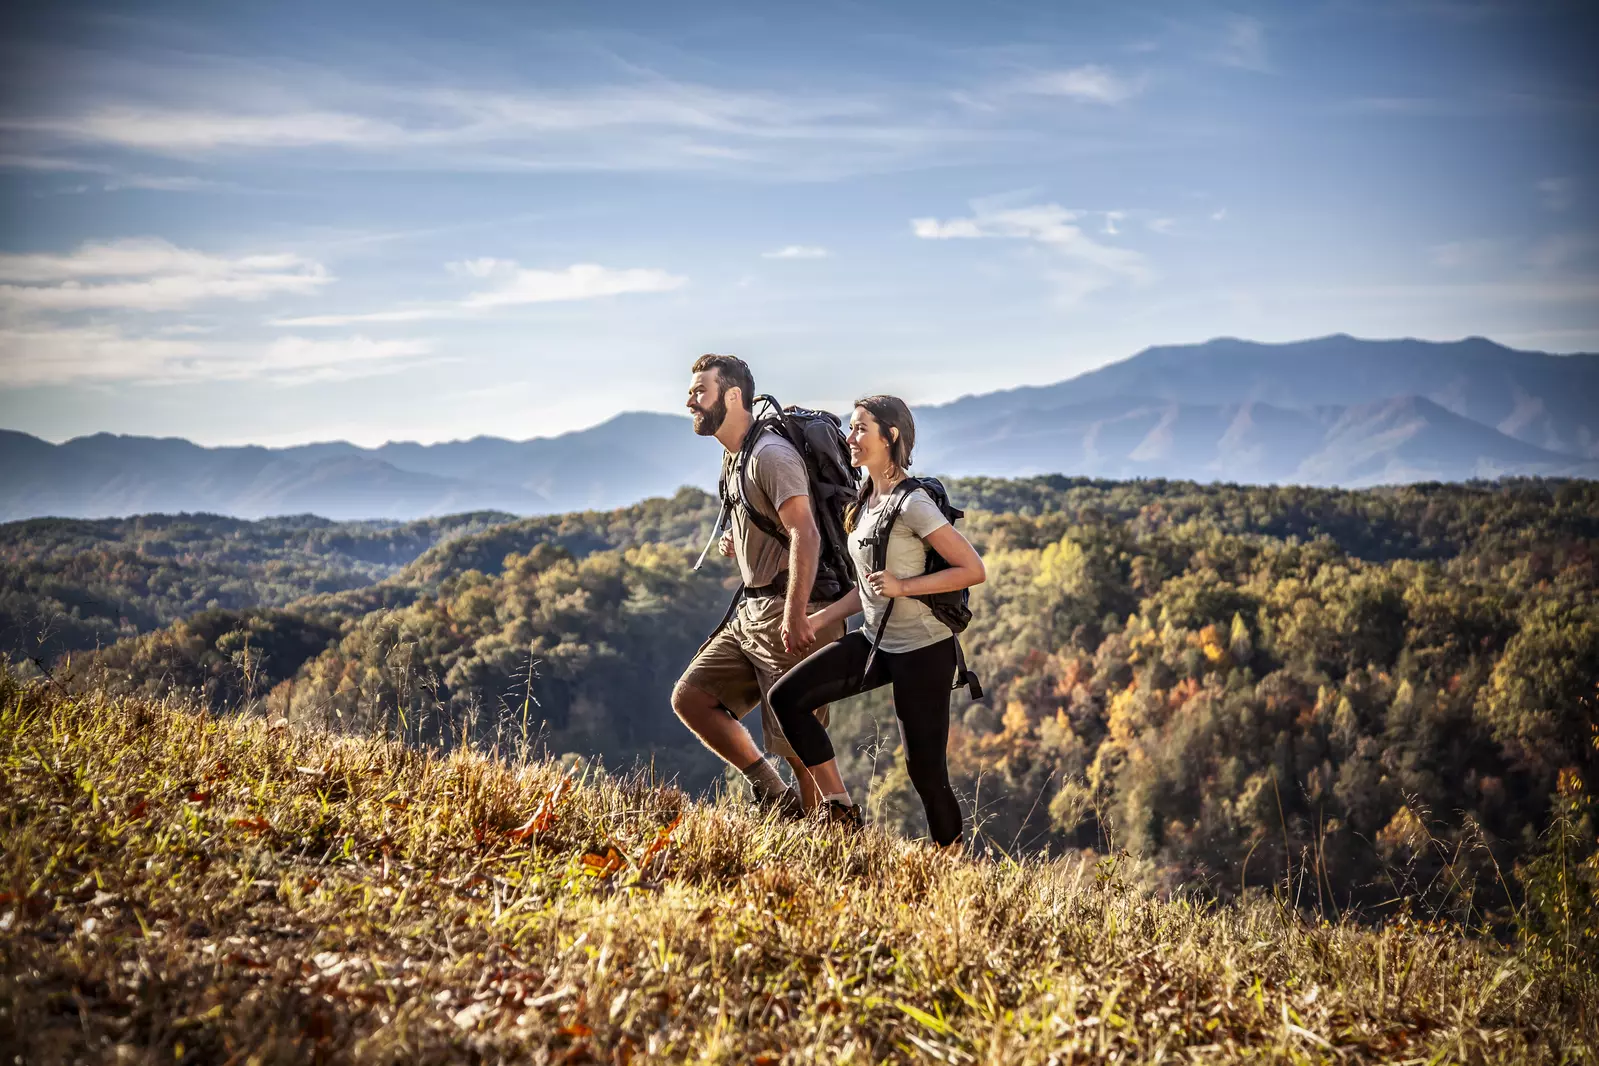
733, 393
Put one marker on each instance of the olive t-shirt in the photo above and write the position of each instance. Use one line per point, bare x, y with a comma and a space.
773, 475
913, 624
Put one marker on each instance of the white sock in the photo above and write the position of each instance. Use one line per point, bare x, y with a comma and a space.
838, 797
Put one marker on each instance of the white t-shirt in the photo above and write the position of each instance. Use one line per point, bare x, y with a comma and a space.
912, 625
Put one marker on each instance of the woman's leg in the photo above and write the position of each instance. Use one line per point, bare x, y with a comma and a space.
922, 681
827, 675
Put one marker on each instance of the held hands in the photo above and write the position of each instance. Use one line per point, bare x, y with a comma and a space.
799, 633
885, 584
726, 543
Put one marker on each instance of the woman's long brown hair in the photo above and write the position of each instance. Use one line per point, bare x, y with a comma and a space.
891, 413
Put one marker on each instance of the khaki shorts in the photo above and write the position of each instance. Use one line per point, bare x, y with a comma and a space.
740, 663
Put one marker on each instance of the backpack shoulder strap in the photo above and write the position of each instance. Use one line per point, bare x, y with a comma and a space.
885, 526
740, 465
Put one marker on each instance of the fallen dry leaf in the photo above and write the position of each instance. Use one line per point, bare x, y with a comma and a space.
544, 814
604, 865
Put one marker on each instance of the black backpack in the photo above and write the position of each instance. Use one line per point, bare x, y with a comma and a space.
951, 608
819, 438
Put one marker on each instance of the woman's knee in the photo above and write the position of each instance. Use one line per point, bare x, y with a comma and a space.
786, 700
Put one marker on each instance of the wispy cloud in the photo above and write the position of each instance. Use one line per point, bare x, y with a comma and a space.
651, 123
1161, 225
796, 251
1090, 84
148, 275
513, 286
298, 360
32, 356
183, 131
581, 281
1084, 265
1243, 45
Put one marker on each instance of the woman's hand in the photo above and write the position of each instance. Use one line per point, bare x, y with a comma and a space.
885, 584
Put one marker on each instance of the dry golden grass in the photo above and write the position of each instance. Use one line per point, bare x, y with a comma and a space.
182, 887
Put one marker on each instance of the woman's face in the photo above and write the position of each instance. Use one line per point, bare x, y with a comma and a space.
867, 445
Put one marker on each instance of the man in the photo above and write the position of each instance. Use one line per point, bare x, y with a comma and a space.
771, 630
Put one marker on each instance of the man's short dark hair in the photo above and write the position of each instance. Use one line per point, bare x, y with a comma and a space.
730, 371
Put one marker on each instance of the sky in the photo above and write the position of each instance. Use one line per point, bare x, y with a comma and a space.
287, 222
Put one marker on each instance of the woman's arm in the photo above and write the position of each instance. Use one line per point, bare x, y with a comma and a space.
965, 568
838, 610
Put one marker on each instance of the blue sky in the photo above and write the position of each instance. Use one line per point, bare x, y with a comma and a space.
405, 221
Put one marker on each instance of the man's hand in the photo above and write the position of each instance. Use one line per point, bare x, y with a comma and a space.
798, 632
885, 584
726, 543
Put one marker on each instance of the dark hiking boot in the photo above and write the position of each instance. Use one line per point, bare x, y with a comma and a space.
847, 816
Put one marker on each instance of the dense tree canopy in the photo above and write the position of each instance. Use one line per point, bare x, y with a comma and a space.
1369, 694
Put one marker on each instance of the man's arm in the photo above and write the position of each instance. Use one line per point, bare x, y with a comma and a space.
804, 549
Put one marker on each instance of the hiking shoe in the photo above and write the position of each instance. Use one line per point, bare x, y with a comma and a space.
787, 804
846, 815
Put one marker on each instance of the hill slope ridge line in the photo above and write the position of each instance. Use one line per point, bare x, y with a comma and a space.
192, 885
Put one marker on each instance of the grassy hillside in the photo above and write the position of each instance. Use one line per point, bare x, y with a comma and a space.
180, 887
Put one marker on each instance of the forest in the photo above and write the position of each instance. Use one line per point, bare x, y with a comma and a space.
1366, 699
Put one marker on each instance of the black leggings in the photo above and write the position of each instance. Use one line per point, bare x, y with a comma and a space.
921, 681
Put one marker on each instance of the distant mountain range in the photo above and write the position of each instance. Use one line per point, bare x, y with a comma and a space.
1331, 411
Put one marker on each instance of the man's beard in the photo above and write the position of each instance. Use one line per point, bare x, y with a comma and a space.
707, 420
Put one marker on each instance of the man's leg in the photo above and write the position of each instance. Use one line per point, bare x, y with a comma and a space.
810, 791
717, 730
707, 717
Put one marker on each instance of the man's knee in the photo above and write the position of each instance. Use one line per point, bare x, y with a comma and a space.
691, 704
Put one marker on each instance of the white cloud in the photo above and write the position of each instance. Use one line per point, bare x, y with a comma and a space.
1558, 193
581, 281
652, 123
933, 230
33, 356
1243, 45
1088, 84
402, 314
1111, 218
515, 286
182, 131
796, 251
481, 268
1087, 264
148, 275
1161, 225
1218, 215
297, 360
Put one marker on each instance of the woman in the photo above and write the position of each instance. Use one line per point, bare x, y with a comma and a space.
916, 653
